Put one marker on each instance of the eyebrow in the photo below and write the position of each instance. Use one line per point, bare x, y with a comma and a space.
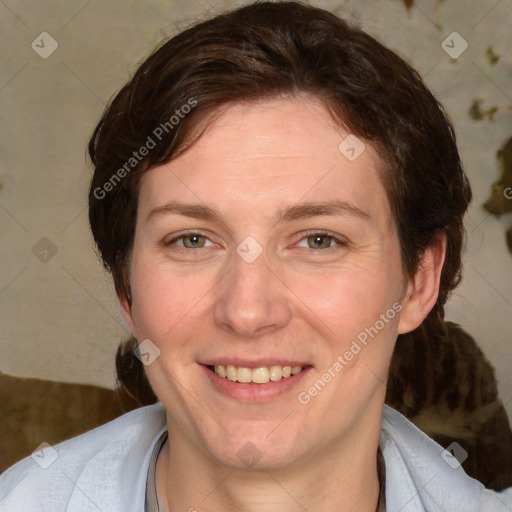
295, 212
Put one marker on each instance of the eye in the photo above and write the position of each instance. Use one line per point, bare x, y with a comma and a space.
190, 241
319, 240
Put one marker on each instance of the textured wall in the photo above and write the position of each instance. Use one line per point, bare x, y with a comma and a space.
58, 315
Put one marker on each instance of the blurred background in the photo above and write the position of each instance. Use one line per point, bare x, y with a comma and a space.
61, 62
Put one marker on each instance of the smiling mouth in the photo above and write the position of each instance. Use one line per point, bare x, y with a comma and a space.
260, 375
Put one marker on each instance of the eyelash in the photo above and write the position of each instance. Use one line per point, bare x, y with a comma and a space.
184, 235
338, 241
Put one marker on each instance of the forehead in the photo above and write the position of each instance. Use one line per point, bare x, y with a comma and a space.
274, 151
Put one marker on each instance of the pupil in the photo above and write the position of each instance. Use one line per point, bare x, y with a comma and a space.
319, 240
193, 241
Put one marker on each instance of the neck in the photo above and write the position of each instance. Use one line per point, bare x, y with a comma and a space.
342, 477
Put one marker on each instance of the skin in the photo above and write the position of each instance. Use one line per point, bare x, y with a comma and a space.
295, 301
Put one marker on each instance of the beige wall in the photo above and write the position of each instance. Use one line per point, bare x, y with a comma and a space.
59, 319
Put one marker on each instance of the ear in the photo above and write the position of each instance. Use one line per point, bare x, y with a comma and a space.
126, 311
423, 288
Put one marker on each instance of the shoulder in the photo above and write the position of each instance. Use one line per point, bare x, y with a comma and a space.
421, 475
105, 467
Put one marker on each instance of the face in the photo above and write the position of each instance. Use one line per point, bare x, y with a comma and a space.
264, 247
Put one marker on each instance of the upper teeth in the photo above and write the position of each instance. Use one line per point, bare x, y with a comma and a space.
259, 375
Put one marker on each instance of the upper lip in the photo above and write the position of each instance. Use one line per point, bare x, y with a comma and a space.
254, 363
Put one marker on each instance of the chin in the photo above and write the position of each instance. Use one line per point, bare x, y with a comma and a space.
255, 451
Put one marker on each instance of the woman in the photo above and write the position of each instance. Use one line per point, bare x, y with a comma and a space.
278, 197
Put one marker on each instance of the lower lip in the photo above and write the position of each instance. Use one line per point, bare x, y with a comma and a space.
251, 392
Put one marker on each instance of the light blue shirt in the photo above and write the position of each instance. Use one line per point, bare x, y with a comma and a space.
106, 469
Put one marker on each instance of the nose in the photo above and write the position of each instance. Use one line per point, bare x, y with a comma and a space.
252, 300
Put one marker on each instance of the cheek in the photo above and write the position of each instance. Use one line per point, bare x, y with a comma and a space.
162, 299
350, 299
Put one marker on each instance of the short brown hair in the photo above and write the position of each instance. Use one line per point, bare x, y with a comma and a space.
271, 49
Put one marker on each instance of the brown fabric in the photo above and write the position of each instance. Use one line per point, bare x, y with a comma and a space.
34, 410
445, 386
